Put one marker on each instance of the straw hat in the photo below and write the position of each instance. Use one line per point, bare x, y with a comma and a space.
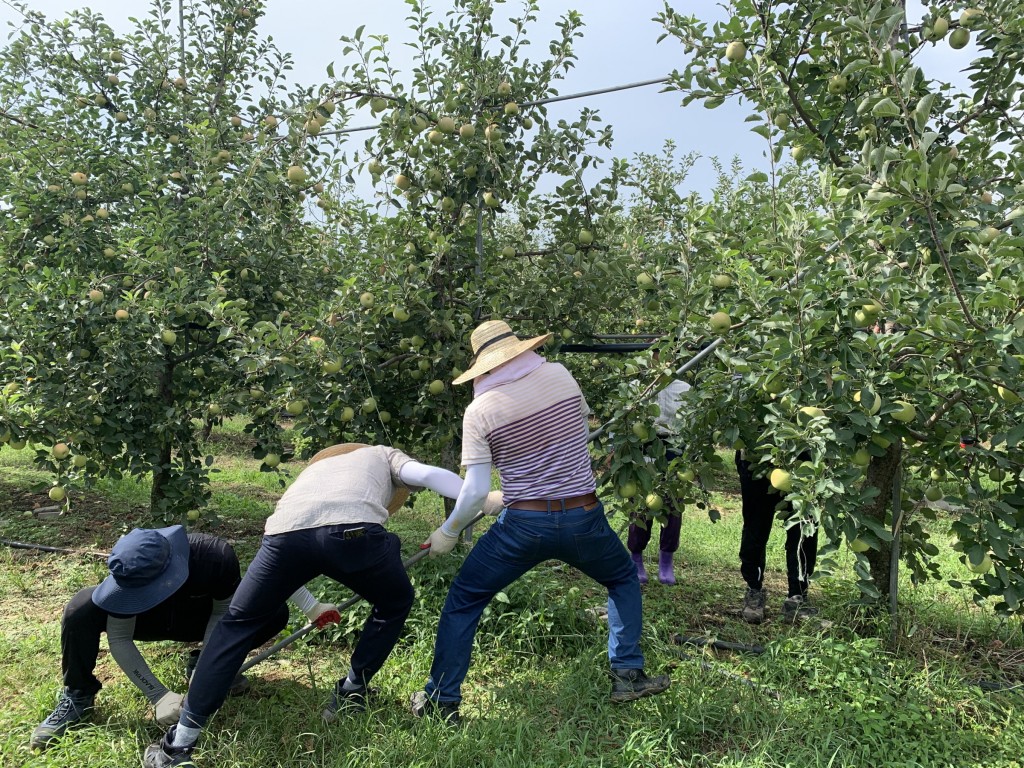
398, 497
493, 344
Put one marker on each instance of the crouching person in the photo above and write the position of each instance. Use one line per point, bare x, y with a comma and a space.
329, 522
163, 584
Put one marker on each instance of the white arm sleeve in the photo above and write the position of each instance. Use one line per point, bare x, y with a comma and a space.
303, 599
471, 498
436, 479
120, 637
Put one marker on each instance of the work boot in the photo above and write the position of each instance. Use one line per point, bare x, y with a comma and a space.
72, 706
753, 605
424, 706
795, 608
638, 561
163, 755
632, 684
666, 574
347, 701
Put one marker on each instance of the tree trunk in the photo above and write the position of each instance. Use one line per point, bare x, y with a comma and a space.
881, 474
162, 466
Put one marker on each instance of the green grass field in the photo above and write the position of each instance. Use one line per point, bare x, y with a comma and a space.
835, 692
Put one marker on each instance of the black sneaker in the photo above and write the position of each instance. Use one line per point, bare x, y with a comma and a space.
344, 701
423, 706
633, 684
71, 707
163, 755
796, 608
753, 605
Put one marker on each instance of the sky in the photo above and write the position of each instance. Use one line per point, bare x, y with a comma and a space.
619, 47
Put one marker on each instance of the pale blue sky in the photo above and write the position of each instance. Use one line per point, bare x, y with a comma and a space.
619, 46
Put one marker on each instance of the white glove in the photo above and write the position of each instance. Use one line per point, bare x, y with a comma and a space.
493, 504
440, 543
323, 614
168, 707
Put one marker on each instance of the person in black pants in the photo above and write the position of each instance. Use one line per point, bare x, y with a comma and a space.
761, 504
164, 584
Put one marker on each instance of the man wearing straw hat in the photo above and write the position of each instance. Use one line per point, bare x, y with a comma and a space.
329, 522
529, 419
163, 584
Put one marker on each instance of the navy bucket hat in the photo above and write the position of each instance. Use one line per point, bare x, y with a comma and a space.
146, 567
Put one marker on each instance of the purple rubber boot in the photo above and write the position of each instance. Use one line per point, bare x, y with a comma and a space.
638, 561
665, 573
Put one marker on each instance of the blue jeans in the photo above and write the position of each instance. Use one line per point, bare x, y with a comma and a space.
518, 541
370, 564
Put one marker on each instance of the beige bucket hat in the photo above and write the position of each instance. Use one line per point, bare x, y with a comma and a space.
400, 495
493, 344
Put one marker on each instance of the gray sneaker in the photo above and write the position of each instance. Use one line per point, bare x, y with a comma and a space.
71, 707
425, 707
796, 608
633, 684
163, 755
753, 605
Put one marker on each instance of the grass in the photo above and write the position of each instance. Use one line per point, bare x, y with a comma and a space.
832, 693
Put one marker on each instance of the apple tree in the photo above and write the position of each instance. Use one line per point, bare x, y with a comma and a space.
461, 231
873, 332
156, 237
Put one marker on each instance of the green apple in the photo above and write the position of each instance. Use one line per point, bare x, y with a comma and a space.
400, 314
17, 445
492, 132
736, 51
95, 296
79, 461
295, 407
366, 300
861, 457
933, 493
490, 200
436, 387
272, 460
799, 152
60, 451
193, 515
906, 413
1007, 395
585, 237
837, 84
446, 125
809, 412
369, 405
859, 545
645, 281
971, 17
347, 414
508, 252
384, 416
57, 493
641, 431
959, 38
78, 178
331, 366
467, 131
296, 174
720, 322
626, 489
168, 337
866, 396
654, 502
721, 281
435, 137
688, 475
986, 562
939, 28
781, 480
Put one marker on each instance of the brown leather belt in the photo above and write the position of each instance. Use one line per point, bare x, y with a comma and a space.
587, 501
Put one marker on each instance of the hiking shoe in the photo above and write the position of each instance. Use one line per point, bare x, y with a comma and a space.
163, 755
345, 701
796, 608
632, 684
753, 605
72, 706
424, 706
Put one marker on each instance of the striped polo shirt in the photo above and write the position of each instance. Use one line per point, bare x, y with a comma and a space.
534, 430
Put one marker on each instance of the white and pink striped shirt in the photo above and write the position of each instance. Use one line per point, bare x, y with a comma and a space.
534, 430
